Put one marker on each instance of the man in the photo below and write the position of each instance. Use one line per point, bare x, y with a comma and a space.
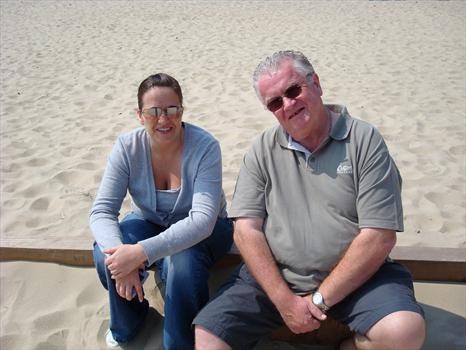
317, 205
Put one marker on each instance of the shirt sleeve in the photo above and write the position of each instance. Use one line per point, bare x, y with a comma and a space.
201, 219
104, 213
249, 195
379, 187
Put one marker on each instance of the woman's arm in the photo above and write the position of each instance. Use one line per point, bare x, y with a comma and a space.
103, 218
205, 206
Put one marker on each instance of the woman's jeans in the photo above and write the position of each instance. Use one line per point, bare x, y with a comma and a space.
185, 275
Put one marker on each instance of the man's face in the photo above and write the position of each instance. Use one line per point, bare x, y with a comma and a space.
298, 115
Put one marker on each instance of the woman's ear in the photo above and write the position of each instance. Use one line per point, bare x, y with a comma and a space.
139, 116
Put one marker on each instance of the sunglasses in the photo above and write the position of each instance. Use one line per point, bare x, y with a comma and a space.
277, 102
156, 112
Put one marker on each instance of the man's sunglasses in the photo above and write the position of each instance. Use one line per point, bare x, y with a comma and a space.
277, 102
156, 112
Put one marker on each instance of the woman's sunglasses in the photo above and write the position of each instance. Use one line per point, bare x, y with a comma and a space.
156, 112
277, 102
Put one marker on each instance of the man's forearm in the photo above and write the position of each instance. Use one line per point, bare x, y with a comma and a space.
296, 311
362, 259
260, 262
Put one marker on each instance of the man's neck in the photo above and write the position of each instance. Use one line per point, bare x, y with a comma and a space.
315, 139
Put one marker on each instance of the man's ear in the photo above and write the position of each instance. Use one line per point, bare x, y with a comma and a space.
316, 83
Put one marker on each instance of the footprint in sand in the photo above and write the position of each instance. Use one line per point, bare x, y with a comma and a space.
32, 223
41, 204
37, 162
59, 337
87, 166
14, 203
66, 177
33, 191
456, 150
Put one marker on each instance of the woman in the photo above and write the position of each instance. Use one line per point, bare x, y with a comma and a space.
173, 172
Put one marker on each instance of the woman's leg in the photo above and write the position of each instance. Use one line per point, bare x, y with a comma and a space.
187, 289
126, 317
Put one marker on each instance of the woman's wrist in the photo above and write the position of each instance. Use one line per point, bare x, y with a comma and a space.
142, 256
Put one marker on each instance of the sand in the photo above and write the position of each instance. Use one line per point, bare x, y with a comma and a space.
69, 72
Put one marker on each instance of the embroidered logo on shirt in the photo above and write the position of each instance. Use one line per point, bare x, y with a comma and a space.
344, 169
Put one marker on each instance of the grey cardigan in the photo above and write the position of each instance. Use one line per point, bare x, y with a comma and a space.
200, 202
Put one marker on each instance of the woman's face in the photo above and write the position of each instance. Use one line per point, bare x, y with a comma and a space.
165, 128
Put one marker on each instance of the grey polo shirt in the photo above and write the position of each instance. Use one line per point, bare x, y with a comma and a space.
314, 204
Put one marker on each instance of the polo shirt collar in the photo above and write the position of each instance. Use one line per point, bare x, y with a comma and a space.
341, 126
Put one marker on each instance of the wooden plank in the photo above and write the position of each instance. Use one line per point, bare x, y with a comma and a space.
72, 257
425, 263
433, 264
429, 254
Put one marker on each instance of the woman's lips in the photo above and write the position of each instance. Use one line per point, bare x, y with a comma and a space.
164, 130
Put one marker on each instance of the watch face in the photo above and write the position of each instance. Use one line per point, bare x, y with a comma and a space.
317, 298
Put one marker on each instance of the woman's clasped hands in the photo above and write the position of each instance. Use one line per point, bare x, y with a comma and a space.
124, 263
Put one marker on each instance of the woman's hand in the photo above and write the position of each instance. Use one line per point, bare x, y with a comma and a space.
125, 259
126, 285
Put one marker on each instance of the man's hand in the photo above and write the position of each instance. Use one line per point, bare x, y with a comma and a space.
125, 286
124, 259
300, 314
313, 309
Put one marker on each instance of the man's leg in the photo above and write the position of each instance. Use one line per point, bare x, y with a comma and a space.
399, 330
208, 341
237, 317
383, 312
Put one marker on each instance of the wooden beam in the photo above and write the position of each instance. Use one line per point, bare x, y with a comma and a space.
433, 264
425, 263
72, 257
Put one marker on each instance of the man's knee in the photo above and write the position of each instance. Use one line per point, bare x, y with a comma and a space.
205, 340
399, 330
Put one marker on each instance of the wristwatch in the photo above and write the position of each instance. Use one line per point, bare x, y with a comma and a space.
318, 301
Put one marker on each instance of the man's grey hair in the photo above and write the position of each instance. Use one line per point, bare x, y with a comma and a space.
272, 63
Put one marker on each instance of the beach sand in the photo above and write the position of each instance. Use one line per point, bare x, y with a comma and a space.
69, 73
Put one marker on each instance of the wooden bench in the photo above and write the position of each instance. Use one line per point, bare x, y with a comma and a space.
425, 263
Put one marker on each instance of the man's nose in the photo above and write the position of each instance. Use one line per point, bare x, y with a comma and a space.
288, 102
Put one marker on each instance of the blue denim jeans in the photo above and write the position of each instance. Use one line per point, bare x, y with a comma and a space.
185, 275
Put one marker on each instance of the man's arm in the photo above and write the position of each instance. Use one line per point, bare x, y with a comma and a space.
256, 253
361, 260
